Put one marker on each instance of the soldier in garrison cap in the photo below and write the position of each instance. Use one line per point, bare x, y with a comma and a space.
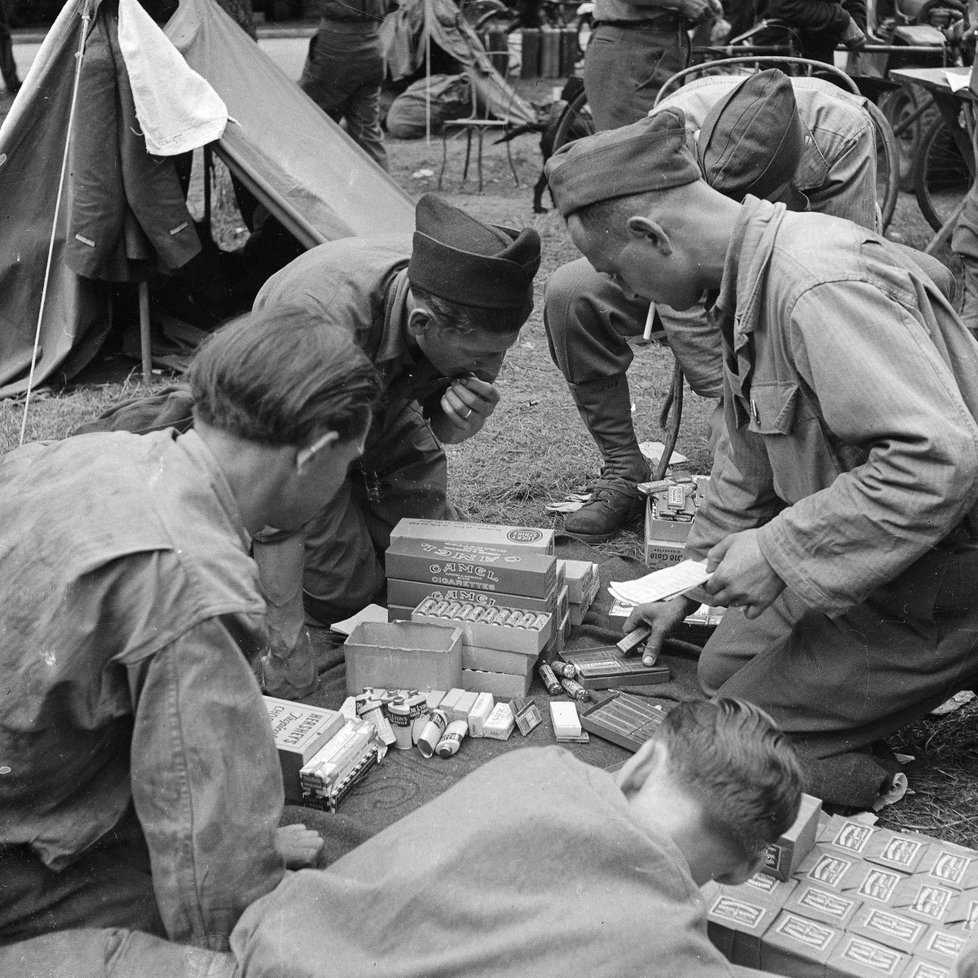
804, 142
839, 521
436, 315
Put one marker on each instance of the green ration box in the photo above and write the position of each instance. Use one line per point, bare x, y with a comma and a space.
474, 567
300, 731
532, 538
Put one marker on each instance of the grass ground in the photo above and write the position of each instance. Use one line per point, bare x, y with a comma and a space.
535, 449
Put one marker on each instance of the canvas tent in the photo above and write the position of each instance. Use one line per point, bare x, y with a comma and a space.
279, 144
403, 33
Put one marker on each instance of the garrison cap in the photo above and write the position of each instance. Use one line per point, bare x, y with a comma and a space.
458, 258
650, 154
752, 139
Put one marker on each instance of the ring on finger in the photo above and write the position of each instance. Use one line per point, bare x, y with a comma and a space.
467, 415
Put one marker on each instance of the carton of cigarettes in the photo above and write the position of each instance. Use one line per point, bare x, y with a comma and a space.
941, 946
896, 850
735, 924
324, 771
848, 835
299, 731
583, 581
887, 927
858, 957
506, 629
819, 903
784, 856
502, 685
950, 865
536, 539
872, 884
403, 654
794, 945
830, 868
474, 567
923, 899
409, 594
773, 891
918, 968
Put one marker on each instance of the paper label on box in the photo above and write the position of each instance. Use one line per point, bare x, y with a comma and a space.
945, 944
950, 867
744, 915
830, 869
892, 926
924, 969
879, 884
805, 931
901, 851
768, 885
869, 954
852, 836
825, 902
931, 901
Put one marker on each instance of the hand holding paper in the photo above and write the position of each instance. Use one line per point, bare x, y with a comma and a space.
661, 585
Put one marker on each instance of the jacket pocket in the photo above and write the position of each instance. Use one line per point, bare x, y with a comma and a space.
773, 408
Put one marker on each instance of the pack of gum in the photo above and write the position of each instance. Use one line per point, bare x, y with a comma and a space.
506, 629
476, 567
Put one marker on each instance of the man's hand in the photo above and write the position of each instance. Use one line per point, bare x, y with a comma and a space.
697, 11
663, 617
853, 37
466, 404
741, 576
298, 846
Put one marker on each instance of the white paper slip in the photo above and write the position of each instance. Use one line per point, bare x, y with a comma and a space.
661, 585
373, 612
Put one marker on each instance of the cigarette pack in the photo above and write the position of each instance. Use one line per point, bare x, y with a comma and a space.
583, 581
412, 593
736, 923
499, 724
784, 856
536, 539
334, 761
918, 968
474, 567
406, 654
493, 660
526, 714
819, 903
887, 927
502, 685
299, 731
941, 946
606, 667
896, 850
525, 632
794, 945
564, 718
479, 713
858, 957
923, 899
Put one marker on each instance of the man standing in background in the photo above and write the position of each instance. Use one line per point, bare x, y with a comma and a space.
344, 69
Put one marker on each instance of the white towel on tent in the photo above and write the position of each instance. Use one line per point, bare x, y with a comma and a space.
177, 109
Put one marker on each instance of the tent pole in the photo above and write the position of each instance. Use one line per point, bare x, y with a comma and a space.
427, 70
145, 339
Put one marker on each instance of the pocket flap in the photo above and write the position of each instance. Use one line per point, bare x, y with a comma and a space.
772, 408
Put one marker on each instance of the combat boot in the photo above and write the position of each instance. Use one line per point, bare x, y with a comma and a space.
605, 407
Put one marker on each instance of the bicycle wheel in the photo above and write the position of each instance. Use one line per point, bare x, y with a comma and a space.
575, 121
899, 106
887, 164
942, 177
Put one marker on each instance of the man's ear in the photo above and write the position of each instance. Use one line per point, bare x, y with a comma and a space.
306, 456
419, 321
650, 231
648, 761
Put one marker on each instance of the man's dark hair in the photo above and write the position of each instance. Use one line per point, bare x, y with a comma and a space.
730, 757
453, 315
283, 376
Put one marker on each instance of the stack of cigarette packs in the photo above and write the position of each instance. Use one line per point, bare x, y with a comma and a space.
322, 752
864, 901
501, 586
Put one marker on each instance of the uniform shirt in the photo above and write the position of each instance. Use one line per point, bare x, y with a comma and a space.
361, 285
837, 172
126, 598
850, 399
532, 865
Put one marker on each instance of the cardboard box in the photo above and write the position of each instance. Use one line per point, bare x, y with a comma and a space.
942, 946
950, 865
896, 850
923, 899
501, 684
397, 612
767, 888
300, 731
829, 868
887, 927
475, 567
494, 660
784, 856
536, 539
505, 637
412, 593
846, 834
736, 923
794, 945
963, 912
858, 957
583, 580
820, 903
918, 968
403, 654
873, 884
